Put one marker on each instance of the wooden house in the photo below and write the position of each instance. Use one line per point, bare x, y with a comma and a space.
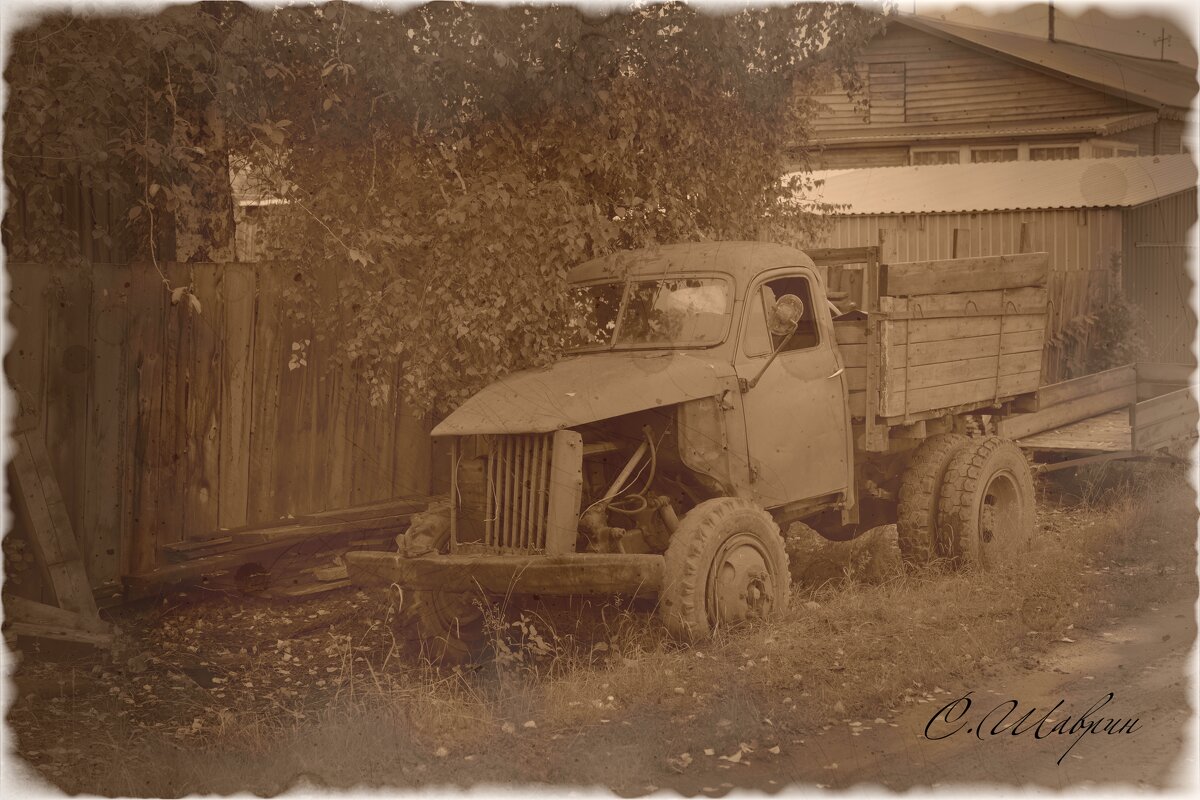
934, 92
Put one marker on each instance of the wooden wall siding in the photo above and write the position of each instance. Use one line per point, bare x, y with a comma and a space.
946, 82
1081, 244
163, 424
1160, 273
1170, 136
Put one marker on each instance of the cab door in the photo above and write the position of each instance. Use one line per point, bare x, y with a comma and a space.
795, 417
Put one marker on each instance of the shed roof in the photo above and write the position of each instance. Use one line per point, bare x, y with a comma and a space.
1145, 80
1008, 186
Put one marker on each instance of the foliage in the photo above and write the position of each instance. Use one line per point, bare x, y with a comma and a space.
442, 166
1114, 339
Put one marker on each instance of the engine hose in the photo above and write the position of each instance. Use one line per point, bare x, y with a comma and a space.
653, 460
616, 505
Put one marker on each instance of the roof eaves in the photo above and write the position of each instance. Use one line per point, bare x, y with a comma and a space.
934, 30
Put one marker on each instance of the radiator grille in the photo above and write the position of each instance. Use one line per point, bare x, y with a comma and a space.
518, 492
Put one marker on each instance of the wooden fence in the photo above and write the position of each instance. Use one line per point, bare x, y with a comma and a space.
165, 424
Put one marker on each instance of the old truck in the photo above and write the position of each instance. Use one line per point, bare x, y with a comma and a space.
716, 396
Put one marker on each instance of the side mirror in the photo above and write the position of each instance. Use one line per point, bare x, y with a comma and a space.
782, 320
785, 315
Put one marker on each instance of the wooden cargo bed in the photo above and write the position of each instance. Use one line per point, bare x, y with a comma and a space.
1106, 433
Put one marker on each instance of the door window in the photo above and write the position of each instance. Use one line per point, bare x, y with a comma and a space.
759, 340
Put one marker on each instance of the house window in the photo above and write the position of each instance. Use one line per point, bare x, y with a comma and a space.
1053, 153
989, 155
929, 157
1112, 149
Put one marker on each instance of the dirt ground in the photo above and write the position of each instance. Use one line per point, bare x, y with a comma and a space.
216, 691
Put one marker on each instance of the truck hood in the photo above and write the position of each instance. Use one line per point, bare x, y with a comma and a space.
587, 388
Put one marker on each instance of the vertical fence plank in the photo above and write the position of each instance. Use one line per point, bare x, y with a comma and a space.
268, 360
237, 290
177, 377
68, 355
293, 424
203, 358
104, 459
147, 297
25, 362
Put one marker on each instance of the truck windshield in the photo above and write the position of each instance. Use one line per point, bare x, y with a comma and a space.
667, 312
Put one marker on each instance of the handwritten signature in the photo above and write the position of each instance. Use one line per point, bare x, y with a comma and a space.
952, 718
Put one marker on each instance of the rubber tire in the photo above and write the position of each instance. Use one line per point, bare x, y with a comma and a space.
920, 496
962, 503
694, 544
444, 627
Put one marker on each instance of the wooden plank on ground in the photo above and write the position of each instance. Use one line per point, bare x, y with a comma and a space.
332, 527
59, 633
963, 274
1019, 426
49, 527
237, 290
104, 459
1076, 388
21, 609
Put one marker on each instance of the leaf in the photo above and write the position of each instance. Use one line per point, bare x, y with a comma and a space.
176, 294
194, 302
134, 213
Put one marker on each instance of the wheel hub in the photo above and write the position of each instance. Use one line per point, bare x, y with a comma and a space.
740, 584
999, 511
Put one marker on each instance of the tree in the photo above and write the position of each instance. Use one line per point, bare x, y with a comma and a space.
448, 163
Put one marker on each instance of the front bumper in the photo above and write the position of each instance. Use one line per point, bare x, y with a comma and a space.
570, 574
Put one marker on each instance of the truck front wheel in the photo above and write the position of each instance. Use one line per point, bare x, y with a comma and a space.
987, 502
444, 627
725, 564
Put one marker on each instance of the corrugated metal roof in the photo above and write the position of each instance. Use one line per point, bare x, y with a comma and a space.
1008, 186
913, 132
1163, 83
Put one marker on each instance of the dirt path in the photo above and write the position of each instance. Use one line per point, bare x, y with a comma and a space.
1144, 661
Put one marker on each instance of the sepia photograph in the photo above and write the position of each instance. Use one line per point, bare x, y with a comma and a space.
619, 399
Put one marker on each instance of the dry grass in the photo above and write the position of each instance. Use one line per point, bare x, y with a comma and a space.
840, 652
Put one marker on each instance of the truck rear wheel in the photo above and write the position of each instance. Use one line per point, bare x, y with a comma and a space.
726, 564
920, 493
444, 627
987, 502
